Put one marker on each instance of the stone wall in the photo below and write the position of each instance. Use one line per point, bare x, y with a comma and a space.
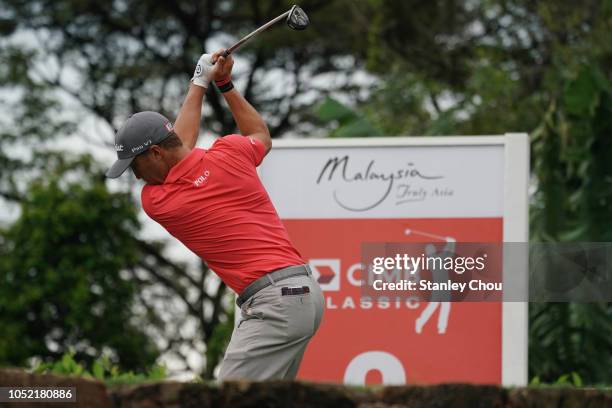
90, 393
279, 394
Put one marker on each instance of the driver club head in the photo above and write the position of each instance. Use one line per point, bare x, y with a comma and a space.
297, 18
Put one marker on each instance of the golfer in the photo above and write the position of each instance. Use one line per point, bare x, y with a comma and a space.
214, 203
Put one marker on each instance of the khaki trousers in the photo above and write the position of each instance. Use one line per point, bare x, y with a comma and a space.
273, 331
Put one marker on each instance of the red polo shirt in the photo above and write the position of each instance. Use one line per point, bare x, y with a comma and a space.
214, 203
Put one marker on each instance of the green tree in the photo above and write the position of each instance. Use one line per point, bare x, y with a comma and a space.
60, 271
571, 160
484, 67
129, 56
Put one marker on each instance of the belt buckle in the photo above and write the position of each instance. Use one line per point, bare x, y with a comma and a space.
308, 270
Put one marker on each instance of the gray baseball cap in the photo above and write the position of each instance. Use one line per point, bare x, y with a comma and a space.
141, 131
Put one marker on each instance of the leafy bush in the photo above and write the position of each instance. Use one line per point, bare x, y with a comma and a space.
572, 379
101, 369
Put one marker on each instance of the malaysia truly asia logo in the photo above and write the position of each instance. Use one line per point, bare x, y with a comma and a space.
405, 181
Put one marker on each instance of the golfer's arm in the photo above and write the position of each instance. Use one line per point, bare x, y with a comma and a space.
187, 124
249, 121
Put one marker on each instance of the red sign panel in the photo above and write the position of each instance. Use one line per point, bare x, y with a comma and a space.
398, 340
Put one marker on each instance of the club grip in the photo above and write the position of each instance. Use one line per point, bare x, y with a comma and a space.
224, 54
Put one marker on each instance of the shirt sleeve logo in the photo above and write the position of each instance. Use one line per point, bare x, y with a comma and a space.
202, 179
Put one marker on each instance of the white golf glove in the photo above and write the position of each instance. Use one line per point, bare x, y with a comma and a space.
201, 75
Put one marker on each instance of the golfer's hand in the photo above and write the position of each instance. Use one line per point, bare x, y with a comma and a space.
222, 67
202, 74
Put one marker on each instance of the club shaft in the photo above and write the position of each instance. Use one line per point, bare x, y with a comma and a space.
426, 234
252, 34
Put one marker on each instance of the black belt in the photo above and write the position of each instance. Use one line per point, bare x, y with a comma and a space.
267, 280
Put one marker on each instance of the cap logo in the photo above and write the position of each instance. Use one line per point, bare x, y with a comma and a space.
168, 126
142, 146
118, 148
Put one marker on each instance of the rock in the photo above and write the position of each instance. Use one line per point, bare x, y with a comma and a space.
443, 395
238, 394
167, 394
285, 394
558, 397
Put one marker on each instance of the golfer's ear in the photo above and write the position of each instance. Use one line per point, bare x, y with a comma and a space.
156, 151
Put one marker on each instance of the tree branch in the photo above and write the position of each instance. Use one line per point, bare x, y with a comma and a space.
150, 249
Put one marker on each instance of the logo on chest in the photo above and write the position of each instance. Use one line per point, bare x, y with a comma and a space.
202, 179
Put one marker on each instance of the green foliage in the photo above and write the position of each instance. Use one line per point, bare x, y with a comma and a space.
571, 159
139, 55
344, 121
565, 337
218, 341
397, 105
476, 68
572, 379
571, 150
60, 270
101, 369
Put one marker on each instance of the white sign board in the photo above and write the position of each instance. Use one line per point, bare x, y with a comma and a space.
334, 194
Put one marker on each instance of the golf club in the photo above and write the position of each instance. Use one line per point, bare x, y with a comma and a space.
409, 231
296, 19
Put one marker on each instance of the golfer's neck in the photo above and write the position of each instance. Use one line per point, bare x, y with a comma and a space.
179, 154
